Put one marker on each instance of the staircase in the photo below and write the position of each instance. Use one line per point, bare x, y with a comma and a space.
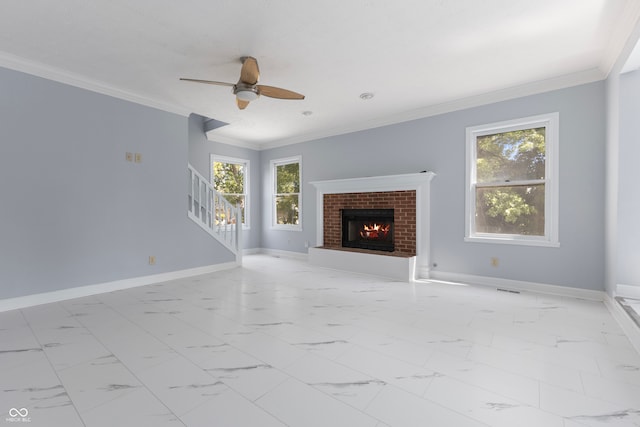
214, 214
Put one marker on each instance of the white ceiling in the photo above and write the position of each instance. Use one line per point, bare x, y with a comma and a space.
419, 57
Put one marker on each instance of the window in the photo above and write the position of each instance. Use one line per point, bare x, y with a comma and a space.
512, 182
230, 177
287, 201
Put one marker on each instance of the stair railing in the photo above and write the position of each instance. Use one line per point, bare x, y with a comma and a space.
212, 212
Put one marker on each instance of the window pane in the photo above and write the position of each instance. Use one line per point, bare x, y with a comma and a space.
287, 209
511, 156
228, 177
510, 210
288, 178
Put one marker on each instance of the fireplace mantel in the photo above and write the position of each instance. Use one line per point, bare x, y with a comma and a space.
411, 181
420, 182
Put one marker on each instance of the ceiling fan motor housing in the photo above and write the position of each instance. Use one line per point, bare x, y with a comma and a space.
246, 92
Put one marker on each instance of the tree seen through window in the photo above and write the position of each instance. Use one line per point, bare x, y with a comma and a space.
229, 178
287, 193
510, 182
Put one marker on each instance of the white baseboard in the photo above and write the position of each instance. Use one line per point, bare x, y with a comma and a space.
628, 291
423, 272
88, 290
283, 254
629, 327
251, 251
519, 285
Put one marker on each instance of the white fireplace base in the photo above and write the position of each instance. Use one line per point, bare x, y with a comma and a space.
393, 267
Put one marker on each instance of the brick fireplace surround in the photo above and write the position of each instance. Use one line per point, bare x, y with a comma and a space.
407, 194
404, 216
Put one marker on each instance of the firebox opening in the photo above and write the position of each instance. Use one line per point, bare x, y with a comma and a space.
368, 229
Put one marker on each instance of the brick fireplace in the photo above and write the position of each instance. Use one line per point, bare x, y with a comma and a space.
403, 204
407, 195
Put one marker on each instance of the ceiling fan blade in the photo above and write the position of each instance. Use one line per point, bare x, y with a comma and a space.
241, 104
276, 92
209, 82
250, 72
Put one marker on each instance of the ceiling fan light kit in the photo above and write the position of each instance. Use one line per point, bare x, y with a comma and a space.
246, 94
247, 89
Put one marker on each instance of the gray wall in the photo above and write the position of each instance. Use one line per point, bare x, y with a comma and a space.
438, 144
73, 211
628, 249
200, 150
611, 177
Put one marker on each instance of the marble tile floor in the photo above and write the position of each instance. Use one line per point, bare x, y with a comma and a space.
282, 343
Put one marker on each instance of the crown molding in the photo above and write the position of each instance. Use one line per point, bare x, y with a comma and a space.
211, 136
623, 39
38, 69
541, 86
51, 73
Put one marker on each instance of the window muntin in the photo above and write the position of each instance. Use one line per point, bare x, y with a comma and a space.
512, 181
287, 197
230, 177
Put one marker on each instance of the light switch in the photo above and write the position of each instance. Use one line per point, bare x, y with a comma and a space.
129, 157
138, 158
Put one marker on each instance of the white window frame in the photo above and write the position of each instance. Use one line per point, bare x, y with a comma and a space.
551, 123
247, 172
273, 165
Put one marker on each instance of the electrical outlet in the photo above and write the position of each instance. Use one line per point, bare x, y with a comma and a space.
306, 243
129, 157
138, 158
494, 262
152, 260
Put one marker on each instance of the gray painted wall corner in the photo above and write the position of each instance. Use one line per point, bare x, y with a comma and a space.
75, 212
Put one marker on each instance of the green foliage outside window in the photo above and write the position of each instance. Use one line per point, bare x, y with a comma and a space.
229, 179
510, 190
287, 197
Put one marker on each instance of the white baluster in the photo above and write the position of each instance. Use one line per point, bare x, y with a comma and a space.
238, 242
213, 212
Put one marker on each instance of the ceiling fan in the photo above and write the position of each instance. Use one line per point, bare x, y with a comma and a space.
247, 89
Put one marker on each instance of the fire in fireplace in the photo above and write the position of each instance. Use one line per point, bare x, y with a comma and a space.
368, 229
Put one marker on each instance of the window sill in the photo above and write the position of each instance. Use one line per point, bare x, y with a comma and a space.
512, 241
284, 227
